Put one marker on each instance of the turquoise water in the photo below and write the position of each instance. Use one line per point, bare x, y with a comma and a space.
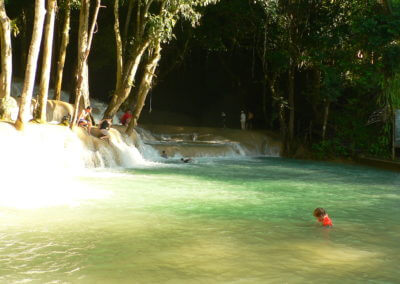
211, 221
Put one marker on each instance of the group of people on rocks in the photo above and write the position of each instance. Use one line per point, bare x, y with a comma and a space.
86, 120
246, 120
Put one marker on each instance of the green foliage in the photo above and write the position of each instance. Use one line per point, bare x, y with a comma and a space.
14, 27
74, 4
329, 149
226, 25
162, 20
380, 146
390, 95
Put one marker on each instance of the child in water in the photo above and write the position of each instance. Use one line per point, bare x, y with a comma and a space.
322, 217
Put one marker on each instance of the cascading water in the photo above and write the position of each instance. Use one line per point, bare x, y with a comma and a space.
123, 152
206, 142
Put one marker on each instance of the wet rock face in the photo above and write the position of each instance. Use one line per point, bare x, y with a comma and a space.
11, 104
56, 110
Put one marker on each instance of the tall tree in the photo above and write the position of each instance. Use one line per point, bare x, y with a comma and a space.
6, 63
63, 50
118, 40
81, 75
145, 84
30, 73
46, 65
153, 25
83, 39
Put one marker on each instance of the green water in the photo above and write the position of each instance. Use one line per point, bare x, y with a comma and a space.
212, 221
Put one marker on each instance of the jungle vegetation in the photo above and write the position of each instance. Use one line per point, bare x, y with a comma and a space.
322, 73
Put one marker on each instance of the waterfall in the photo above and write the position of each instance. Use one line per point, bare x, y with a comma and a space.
59, 148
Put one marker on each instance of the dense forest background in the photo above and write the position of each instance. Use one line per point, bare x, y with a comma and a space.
324, 74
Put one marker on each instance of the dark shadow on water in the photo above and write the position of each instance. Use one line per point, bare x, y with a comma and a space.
275, 169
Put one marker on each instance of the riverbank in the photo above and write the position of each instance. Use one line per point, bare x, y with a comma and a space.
378, 163
302, 153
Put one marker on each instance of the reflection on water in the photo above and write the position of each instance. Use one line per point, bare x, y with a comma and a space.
212, 221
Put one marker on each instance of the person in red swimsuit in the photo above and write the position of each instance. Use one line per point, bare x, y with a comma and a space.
126, 118
322, 217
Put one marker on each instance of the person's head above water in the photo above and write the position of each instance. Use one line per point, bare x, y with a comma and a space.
322, 217
319, 212
88, 109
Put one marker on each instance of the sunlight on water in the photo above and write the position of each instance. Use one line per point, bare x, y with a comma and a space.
45, 172
211, 221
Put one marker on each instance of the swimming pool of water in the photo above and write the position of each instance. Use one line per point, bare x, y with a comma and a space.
211, 221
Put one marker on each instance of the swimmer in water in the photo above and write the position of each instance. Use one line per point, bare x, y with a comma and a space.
322, 217
186, 160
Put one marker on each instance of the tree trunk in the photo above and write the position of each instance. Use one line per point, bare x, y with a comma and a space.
282, 122
393, 114
24, 40
291, 103
6, 63
127, 23
264, 100
63, 51
30, 72
118, 43
265, 77
128, 76
271, 81
387, 5
83, 59
46, 65
145, 86
82, 47
325, 122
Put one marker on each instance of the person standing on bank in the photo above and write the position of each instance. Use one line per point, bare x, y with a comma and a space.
250, 118
243, 120
223, 117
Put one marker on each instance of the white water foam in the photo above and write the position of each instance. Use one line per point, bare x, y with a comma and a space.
40, 168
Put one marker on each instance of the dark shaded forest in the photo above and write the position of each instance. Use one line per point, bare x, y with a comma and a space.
323, 74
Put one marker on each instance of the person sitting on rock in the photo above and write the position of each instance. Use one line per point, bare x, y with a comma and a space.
84, 118
65, 120
126, 117
104, 126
